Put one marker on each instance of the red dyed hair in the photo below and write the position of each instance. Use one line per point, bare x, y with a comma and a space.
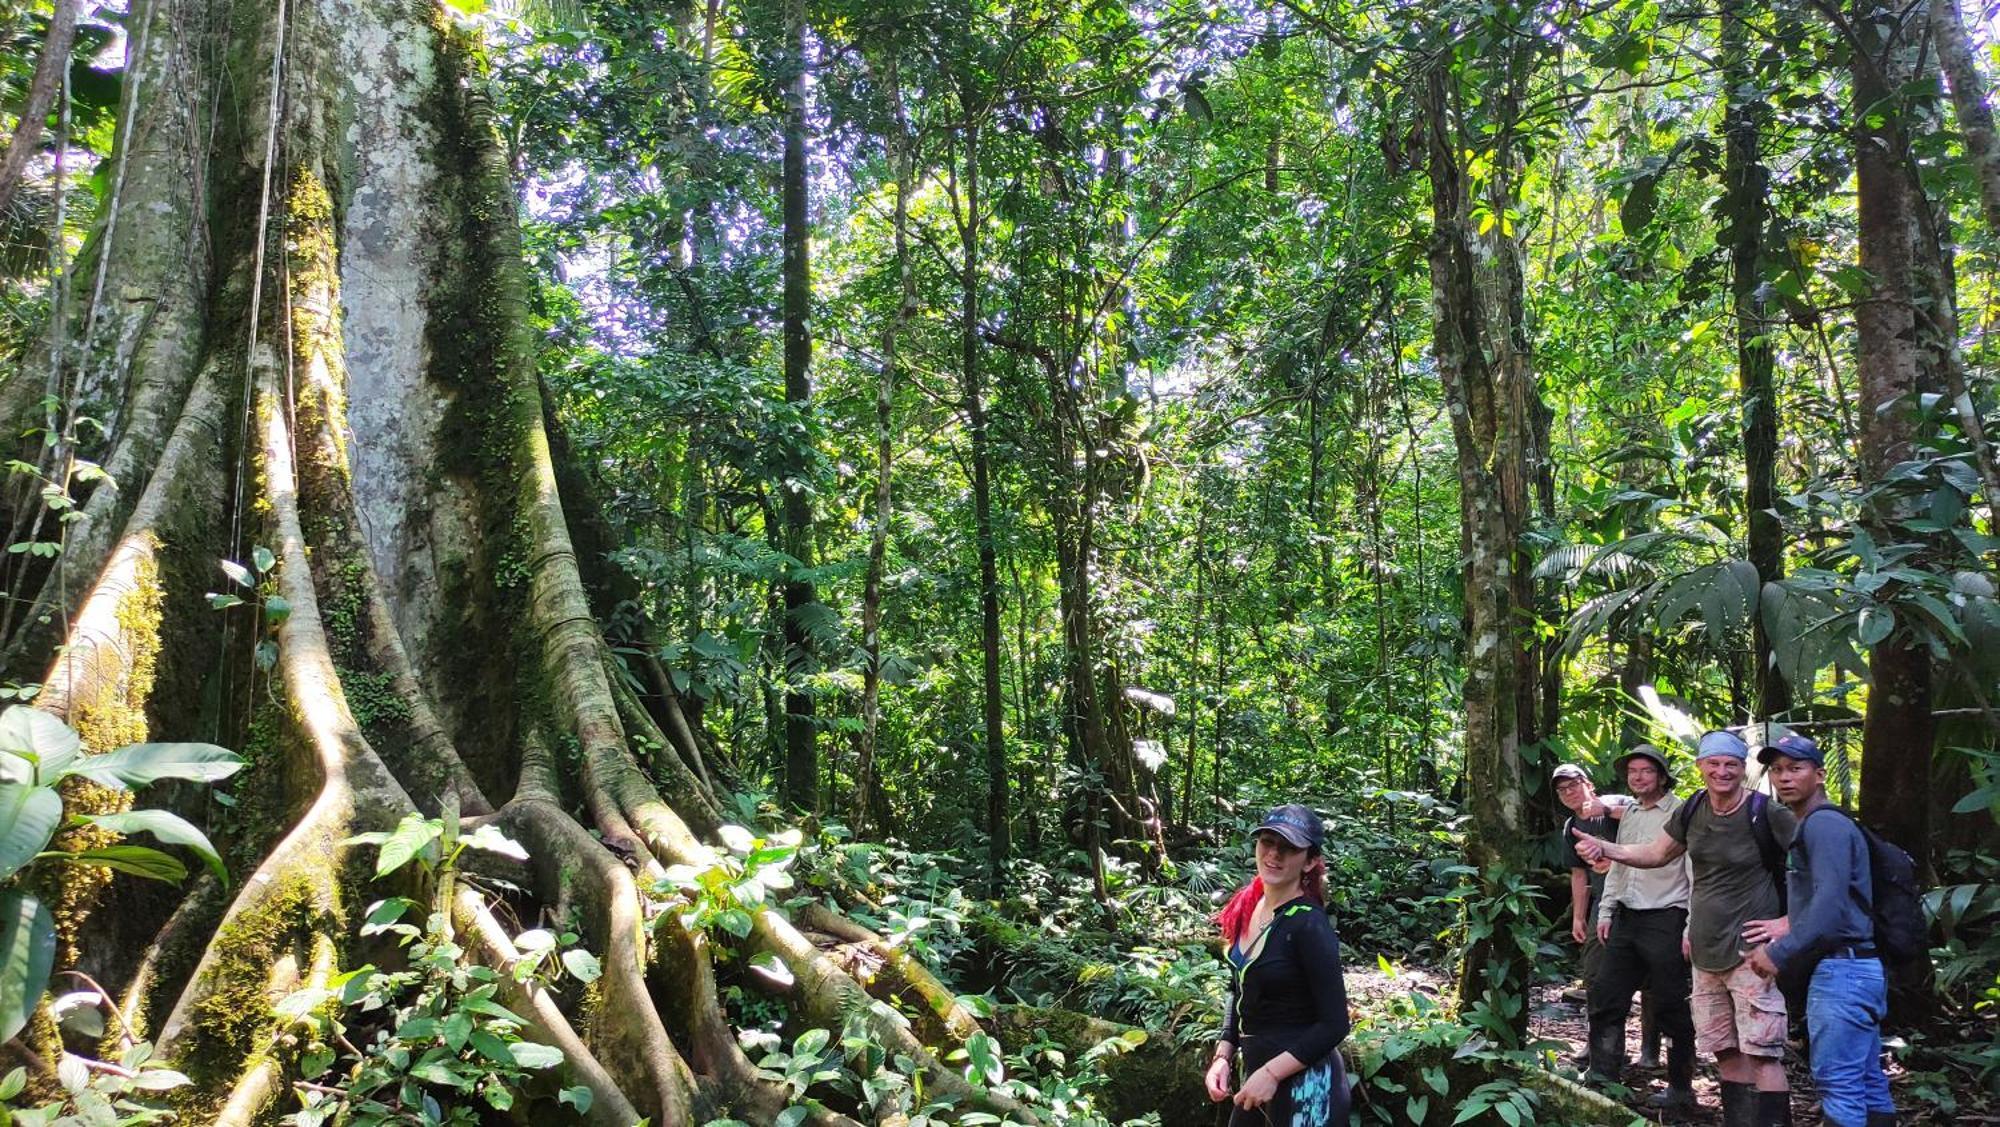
1235, 915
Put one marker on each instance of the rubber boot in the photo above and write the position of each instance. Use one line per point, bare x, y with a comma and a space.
1774, 1109
1649, 1037
1881, 1119
1607, 1053
1676, 1097
1739, 1104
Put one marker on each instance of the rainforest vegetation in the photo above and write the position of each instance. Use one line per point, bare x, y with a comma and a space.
754, 561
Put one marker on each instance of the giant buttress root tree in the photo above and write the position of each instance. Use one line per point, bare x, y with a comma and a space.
302, 324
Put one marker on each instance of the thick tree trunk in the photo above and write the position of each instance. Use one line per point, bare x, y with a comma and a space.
801, 732
42, 91
1890, 364
356, 392
1488, 395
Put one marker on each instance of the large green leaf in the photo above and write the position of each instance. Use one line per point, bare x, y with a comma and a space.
170, 828
27, 954
28, 818
44, 742
139, 764
412, 836
139, 860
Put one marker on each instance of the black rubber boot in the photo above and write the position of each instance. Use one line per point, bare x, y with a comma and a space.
1774, 1109
1607, 1053
1881, 1119
1649, 1036
1739, 1104
1676, 1097
1649, 1053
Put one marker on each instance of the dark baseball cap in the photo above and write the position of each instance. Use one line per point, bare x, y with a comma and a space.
1791, 745
1296, 824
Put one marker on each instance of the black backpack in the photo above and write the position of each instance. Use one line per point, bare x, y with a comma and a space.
1902, 934
1768, 848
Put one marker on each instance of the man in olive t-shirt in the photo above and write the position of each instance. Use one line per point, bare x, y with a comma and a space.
1739, 1016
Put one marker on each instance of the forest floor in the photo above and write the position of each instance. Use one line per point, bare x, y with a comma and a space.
1557, 1018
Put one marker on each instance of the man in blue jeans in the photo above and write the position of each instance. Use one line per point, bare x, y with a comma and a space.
1829, 919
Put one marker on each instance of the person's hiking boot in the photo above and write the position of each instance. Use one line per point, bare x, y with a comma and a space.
1774, 1109
1739, 1104
1577, 992
1675, 1097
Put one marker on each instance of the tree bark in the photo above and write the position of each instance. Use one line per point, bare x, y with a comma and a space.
1746, 183
902, 160
42, 90
1890, 365
801, 730
1968, 99
971, 385
360, 396
1486, 378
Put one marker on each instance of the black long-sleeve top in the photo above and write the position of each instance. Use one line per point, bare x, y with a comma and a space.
1290, 997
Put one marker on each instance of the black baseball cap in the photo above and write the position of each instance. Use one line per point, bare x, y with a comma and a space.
1296, 824
1791, 745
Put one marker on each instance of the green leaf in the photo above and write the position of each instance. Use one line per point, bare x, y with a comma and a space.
489, 839
139, 860
489, 1045
582, 965
529, 1054
491, 1008
27, 954
160, 1080
405, 842
169, 828
985, 1063
139, 764
735, 921
773, 968
28, 819
238, 574
578, 1097
44, 741
1978, 800
262, 559
13, 1084
1875, 626
791, 1116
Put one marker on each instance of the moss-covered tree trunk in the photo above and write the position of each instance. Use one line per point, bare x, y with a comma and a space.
1479, 342
306, 331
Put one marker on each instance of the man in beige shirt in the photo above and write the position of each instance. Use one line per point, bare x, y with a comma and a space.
1642, 922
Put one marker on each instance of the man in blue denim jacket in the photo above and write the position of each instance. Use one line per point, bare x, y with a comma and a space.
1829, 921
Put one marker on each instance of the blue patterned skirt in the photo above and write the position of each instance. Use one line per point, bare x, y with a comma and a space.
1316, 1097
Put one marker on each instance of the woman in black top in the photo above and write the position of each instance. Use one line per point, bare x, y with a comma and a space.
1279, 1051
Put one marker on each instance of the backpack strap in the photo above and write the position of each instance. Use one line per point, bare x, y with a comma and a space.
1767, 843
1686, 812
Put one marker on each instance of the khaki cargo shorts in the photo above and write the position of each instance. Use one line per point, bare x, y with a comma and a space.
1738, 1010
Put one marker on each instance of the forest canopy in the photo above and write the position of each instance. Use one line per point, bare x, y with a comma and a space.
758, 560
